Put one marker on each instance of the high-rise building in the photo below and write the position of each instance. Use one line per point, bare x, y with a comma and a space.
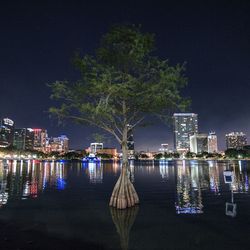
59, 144
23, 139
185, 125
199, 143
40, 136
6, 132
212, 143
19, 138
236, 140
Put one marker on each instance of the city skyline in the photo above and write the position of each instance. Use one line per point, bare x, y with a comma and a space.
185, 129
30, 139
39, 42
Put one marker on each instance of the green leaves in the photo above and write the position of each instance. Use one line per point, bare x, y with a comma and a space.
122, 83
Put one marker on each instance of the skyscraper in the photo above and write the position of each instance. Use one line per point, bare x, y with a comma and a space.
40, 136
6, 132
23, 139
185, 125
199, 143
59, 144
212, 143
236, 140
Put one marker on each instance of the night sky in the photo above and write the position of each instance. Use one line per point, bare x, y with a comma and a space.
38, 39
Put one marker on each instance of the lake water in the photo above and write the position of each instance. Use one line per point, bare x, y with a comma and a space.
183, 205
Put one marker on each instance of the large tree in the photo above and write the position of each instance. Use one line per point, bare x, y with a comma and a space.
120, 85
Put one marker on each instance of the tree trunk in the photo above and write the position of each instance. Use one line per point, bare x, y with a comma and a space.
124, 194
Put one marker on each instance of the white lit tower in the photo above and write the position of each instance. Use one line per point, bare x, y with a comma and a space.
185, 125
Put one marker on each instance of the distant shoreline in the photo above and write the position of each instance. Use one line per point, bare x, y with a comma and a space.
172, 159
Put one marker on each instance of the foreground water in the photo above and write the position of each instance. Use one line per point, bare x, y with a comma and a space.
184, 205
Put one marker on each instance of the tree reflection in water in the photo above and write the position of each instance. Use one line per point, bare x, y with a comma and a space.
124, 220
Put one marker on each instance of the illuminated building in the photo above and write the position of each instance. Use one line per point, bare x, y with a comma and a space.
6, 132
40, 136
185, 125
109, 151
95, 146
163, 148
59, 144
23, 138
212, 143
236, 140
198, 143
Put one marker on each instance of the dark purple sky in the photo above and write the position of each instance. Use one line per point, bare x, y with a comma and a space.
38, 39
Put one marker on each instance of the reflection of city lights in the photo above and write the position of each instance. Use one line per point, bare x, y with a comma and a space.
240, 166
164, 170
14, 166
214, 180
26, 190
95, 172
3, 184
189, 199
26, 179
21, 166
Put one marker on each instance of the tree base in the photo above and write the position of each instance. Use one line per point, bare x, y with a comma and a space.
124, 194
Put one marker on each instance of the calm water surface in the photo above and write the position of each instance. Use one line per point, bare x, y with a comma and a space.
184, 205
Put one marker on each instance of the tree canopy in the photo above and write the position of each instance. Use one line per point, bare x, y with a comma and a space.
120, 84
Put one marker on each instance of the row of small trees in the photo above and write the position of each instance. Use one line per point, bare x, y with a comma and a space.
78, 155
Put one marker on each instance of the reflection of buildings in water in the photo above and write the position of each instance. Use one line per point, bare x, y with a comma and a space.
115, 167
214, 177
164, 169
109, 167
54, 175
131, 171
26, 190
60, 177
148, 166
95, 172
15, 179
189, 198
25, 179
241, 178
3, 185
203, 168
